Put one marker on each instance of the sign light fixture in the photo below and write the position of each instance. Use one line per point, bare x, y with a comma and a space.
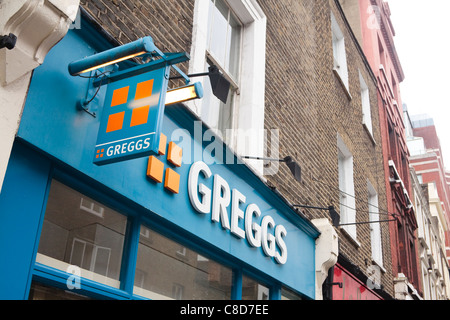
112, 56
194, 91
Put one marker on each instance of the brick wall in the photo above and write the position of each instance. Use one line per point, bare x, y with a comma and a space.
168, 22
307, 103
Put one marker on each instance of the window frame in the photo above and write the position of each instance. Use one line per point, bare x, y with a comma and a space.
248, 109
347, 189
375, 228
365, 104
340, 66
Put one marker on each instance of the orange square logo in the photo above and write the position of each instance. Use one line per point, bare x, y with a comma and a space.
175, 154
115, 121
120, 96
144, 89
139, 116
162, 144
155, 169
172, 181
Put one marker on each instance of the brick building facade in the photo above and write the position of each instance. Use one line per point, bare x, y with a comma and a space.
311, 107
310, 104
319, 93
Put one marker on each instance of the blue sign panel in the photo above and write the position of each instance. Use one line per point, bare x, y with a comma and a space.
131, 117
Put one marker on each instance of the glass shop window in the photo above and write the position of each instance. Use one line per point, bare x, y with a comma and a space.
39, 291
167, 270
287, 294
253, 290
78, 231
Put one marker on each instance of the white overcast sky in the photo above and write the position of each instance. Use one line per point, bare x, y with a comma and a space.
423, 44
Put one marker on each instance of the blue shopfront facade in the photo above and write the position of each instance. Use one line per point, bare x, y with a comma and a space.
189, 222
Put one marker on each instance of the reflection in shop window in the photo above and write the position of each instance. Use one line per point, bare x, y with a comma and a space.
253, 290
162, 273
91, 207
39, 291
72, 235
287, 294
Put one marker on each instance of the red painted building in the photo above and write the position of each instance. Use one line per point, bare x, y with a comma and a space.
372, 25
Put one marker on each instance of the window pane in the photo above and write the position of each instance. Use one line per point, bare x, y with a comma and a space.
211, 105
252, 290
218, 31
167, 270
287, 294
41, 292
234, 47
72, 235
215, 113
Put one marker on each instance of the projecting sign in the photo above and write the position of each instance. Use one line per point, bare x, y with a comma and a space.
132, 116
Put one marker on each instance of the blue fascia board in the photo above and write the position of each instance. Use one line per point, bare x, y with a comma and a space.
183, 116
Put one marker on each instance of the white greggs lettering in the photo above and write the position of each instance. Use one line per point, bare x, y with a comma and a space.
218, 200
128, 147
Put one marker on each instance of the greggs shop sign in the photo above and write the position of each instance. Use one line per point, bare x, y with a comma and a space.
224, 206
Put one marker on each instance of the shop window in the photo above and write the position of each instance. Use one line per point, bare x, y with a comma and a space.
41, 292
163, 273
287, 294
253, 290
74, 236
91, 207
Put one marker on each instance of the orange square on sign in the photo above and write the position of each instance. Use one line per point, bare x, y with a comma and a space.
144, 89
139, 116
155, 169
162, 144
115, 121
172, 181
174, 154
120, 96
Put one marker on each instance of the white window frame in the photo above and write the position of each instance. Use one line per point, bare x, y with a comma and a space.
365, 102
339, 53
347, 188
248, 110
375, 228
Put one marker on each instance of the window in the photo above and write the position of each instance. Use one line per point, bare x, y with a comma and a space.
163, 273
346, 185
114, 256
365, 102
72, 235
339, 55
223, 50
232, 36
253, 290
287, 294
375, 229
